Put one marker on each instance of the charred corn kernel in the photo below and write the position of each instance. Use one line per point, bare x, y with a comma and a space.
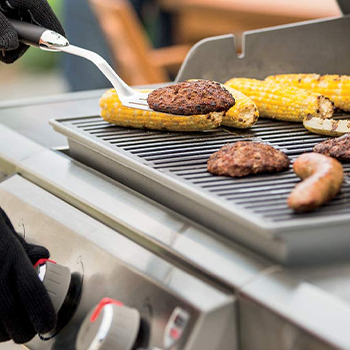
329, 127
243, 114
282, 102
335, 87
114, 112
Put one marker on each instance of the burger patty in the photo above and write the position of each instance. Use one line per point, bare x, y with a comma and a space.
246, 157
338, 148
191, 97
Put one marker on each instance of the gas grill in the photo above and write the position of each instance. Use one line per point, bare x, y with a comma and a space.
171, 169
137, 217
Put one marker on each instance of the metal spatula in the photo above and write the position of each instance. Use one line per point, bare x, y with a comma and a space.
48, 40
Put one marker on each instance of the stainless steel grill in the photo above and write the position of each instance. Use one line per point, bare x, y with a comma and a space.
152, 259
171, 168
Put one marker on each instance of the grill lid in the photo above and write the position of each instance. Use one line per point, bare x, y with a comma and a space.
171, 168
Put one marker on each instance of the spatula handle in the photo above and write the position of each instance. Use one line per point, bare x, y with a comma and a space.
34, 35
28, 33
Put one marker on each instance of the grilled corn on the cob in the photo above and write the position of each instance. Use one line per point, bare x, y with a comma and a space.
335, 87
114, 112
329, 127
282, 102
243, 114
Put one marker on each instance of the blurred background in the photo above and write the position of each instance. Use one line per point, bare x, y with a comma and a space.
144, 40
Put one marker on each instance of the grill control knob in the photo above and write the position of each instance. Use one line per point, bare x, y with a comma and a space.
64, 290
109, 326
56, 279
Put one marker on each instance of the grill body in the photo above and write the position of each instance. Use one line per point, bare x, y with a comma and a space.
111, 265
307, 306
72, 209
171, 169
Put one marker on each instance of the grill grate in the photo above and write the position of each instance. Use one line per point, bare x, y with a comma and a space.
184, 156
170, 168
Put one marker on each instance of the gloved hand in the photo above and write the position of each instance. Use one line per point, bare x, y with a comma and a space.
33, 11
25, 306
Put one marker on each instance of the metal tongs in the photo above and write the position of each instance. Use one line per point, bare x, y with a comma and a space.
48, 40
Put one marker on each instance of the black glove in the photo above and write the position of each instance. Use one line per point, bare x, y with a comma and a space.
25, 306
37, 12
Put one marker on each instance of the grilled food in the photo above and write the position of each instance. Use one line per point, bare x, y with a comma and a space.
246, 157
244, 114
338, 148
329, 127
191, 97
322, 178
282, 102
114, 112
335, 87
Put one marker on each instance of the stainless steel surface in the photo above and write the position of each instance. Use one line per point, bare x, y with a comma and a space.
171, 169
31, 119
113, 266
302, 296
52, 41
92, 95
127, 95
308, 47
280, 291
99, 196
261, 329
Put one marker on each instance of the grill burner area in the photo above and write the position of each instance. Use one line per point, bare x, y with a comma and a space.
260, 199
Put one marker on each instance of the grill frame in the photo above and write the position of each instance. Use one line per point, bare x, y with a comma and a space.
289, 241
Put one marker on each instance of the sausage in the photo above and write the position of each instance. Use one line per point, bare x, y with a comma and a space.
322, 178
